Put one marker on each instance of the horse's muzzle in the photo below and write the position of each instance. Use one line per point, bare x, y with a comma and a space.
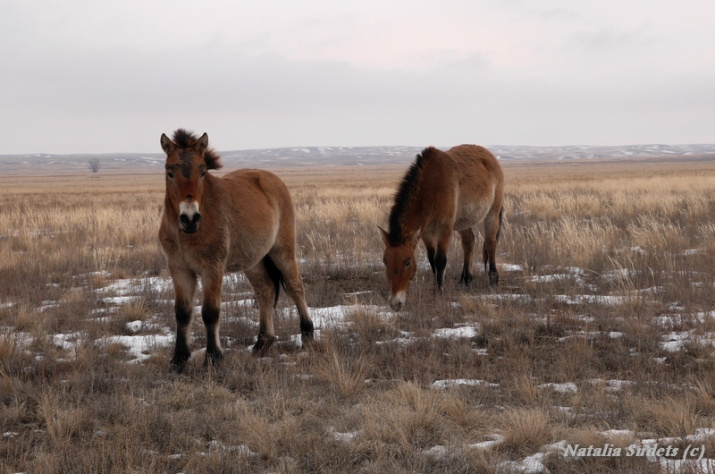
188, 224
397, 300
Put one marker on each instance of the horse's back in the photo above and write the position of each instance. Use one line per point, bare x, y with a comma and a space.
261, 214
481, 184
473, 159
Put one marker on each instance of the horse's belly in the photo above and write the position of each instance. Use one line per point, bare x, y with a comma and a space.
245, 253
470, 215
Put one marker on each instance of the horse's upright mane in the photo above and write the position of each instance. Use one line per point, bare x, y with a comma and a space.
405, 194
185, 139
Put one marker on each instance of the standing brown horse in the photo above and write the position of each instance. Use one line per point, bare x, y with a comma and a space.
242, 222
443, 192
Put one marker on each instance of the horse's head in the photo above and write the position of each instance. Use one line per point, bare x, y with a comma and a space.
187, 160
400, 265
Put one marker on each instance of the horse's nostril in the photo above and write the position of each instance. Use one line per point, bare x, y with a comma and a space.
184, 219
197, 218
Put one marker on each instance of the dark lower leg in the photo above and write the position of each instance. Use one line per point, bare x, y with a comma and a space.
181, 350
490, 250
430, 257
210, 315
440, 262
467, 248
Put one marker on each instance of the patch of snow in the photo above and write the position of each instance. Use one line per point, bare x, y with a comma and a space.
68, 341
568, 387
336, 315
448, 383
344, 437
496, 441
241, 450
612, 385
119, 300
593, 299
510, 267
530, 465
141, 346
456, 333
438, 451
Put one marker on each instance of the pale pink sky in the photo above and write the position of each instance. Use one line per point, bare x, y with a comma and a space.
84, 76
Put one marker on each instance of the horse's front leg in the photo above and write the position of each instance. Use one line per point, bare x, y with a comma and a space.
211, 280
440, 257
184, 289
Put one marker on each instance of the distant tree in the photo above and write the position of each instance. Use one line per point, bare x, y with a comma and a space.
94, 164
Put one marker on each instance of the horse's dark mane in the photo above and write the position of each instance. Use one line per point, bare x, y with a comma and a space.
185, 139
405, 194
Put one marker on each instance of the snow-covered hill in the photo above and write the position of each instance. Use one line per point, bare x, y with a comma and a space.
340, 156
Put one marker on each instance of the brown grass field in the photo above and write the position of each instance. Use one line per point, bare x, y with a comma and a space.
601, 333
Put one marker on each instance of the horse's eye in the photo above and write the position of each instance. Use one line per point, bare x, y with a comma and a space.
408, 262
203, 173
170, 174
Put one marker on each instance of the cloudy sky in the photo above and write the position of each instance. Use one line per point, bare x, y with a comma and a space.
88, 76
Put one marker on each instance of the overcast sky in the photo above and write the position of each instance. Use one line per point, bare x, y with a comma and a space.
88, 76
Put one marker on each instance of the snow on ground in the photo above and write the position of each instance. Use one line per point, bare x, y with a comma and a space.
568, 387
144, 337
444, 384
125, 291
456, 333
644, 447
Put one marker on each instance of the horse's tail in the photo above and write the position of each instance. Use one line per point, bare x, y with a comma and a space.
484, 251
501, 220
276, 276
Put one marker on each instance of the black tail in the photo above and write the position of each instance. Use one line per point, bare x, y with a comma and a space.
484, 248
501, 219
276, 276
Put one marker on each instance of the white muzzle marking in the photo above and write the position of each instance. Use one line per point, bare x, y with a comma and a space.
189, 216
189, 209
397, 300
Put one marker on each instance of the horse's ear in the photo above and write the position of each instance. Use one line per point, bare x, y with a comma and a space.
166, 144
414, 238
203, 143
385, 236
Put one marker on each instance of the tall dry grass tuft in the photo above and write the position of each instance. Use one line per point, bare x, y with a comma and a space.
525, 430
345, 376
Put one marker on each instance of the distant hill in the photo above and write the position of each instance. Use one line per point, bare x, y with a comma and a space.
342, 156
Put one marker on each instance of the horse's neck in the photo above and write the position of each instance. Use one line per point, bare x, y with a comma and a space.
415, 217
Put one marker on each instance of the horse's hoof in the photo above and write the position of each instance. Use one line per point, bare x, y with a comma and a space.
177, 367
493, 278
213, 359
307, 340
264, 342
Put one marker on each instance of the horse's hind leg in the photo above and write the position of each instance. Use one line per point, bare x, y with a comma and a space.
294, 287
492, 226
468, 247
264, 289
184, 289
431, 252
211, 281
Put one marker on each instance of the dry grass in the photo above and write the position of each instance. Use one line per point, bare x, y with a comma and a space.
615, 259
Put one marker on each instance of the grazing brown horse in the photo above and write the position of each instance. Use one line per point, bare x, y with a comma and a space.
242, 222
443, 192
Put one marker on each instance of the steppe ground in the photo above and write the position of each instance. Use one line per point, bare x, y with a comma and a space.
600, 334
